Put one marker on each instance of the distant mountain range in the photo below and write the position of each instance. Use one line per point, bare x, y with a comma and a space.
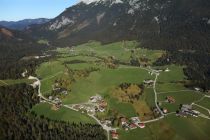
22, 24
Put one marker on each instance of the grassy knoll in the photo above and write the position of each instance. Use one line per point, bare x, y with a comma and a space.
63, 114
184, 97
103, 81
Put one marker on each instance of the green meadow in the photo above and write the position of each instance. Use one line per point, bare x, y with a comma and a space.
104, 80
63, 114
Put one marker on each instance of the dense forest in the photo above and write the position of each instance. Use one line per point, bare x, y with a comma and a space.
14, 46
17, 122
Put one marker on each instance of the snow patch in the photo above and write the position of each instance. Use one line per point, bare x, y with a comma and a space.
99, 17
117, 1
115, 24
63, 22
131, 11
157, 19
208, 22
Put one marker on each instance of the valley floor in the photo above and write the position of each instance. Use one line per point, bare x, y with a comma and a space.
94, 83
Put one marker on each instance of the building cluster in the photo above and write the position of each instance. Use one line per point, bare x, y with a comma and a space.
187, 110
59, 90
99, 102
57, 101
170, 99
114, 135
131, 123
96, 104
148, 82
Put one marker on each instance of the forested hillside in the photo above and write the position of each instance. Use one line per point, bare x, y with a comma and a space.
17, 122
15, 45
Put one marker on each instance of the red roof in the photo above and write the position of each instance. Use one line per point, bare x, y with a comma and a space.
133, 125
142, 125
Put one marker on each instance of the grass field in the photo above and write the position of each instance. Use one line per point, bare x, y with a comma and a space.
105, 80
184, 97
63, 114
120, 50
175, 74
205, 103
13, 82
173, 128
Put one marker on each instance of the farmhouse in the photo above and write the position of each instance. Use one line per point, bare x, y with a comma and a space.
114, 135
166, 70
50, 97
165, 110
123, 121
133, 126
95, 99
148, 82
135, 120
141, 125
170, 99
187, 110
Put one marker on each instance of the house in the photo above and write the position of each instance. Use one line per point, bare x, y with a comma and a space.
166, 70
57, 100
197, 89
101, 109
148, 81
165, 110
170, 99
187, 110
64, 92
135, 120
107, 123
123, 121
103, 104
133, 126
50, 97
141, 125
114, 135
95, 99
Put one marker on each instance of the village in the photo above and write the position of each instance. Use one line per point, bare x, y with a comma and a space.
96, 104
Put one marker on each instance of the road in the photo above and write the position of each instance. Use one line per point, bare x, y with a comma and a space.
154, 89
202, 107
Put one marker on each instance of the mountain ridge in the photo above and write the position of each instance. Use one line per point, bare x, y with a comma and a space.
160, 24
22, 24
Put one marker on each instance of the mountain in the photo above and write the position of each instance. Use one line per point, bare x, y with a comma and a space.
22, 24
160, 24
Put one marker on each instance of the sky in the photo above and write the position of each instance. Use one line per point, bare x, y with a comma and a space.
13, 10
